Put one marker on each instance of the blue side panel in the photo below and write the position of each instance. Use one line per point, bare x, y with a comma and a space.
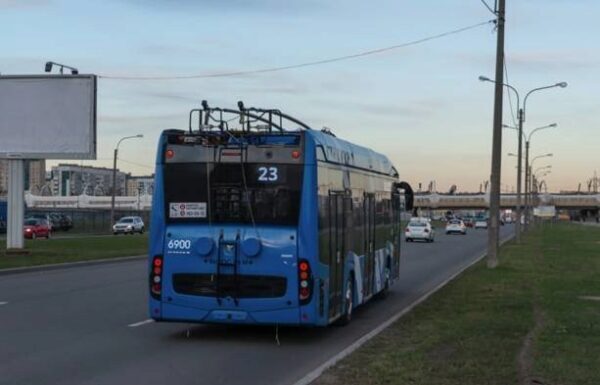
342, 152
308, 240
2, 210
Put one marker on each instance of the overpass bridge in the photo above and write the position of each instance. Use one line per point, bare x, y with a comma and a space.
507, 201
422, 200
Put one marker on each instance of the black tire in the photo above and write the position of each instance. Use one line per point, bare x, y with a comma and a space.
407, 239
348, 303
142, 230
386, 286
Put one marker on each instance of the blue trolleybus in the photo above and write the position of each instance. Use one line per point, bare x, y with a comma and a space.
269, 222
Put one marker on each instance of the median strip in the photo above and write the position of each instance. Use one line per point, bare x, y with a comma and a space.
72, 250
518, 323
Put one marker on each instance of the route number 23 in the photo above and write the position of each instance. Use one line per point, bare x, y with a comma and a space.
268, 174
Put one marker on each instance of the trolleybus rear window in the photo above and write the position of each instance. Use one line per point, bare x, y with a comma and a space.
232, 192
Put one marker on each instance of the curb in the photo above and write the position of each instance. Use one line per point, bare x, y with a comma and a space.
68, 265
316, 373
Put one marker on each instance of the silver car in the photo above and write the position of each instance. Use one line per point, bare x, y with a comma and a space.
129, 225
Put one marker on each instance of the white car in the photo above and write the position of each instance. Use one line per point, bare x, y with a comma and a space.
481, 223
456, 226
419, 228
129, 225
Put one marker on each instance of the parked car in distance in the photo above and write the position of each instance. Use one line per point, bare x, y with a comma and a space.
481, 223
61, 222
36, 228
456, 226
469, 221
419, 228
129, 225
46, 217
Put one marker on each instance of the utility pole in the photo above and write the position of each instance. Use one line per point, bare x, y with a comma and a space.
494, 231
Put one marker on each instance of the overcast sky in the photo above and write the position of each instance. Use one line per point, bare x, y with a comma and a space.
422, 105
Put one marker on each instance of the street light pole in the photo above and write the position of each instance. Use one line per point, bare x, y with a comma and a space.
519, 173
114, 178
527, 169
528, 175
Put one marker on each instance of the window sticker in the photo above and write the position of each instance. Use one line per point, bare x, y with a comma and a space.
187, 210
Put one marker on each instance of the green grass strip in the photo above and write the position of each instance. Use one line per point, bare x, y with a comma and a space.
473, 330
83, 248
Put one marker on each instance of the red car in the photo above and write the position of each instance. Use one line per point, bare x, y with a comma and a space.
36, 228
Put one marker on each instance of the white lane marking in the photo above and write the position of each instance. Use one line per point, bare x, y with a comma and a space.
3, 303
316, 373
141, 323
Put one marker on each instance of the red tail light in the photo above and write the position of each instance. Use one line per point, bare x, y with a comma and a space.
407, 229
305, 282
169, 154
156, 277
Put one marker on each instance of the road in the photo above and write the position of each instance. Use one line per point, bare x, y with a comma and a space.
85, 326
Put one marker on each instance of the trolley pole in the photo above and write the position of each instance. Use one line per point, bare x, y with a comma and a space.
494, 231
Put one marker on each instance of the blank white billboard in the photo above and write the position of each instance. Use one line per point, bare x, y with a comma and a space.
48, 117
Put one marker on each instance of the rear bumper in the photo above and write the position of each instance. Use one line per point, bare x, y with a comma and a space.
177, 313
418, 236
124, 231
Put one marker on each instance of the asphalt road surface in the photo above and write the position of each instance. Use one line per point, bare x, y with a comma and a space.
86, 325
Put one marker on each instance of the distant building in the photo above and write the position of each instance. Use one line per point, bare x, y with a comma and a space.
72, 179
35, 175
142, 185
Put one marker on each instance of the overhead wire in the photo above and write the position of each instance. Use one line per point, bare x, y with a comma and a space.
512, 111
305, 64
136, 164
493, 11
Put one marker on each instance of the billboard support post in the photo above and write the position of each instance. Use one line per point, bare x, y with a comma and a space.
16, 204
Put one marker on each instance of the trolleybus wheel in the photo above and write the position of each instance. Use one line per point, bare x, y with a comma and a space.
386, 286
349, 302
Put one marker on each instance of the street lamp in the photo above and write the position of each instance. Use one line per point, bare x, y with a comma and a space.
521, 117
529, 176
114, 177
542, 168
528, 168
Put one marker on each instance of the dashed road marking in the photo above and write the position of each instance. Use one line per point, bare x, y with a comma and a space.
3, 303
141, 323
